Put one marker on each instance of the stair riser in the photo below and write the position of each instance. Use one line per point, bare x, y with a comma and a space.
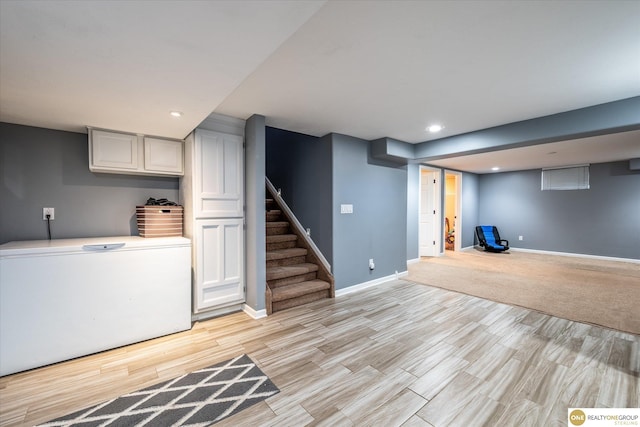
286, 261
280, 245
273, 216
275, 273
271, 205
292, 279
274, 231
296, 290
294, 302
282, 238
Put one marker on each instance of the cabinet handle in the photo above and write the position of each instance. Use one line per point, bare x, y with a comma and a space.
103, 247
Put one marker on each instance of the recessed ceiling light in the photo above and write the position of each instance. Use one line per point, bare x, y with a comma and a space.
435, 128
176, 114
495, 168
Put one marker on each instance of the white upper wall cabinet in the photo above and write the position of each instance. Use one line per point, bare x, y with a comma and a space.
124, 153
164, 155
113, 151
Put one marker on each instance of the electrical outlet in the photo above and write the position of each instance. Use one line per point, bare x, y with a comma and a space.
371, 264
48, 211
520, 238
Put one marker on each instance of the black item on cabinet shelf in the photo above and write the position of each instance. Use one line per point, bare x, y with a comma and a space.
159, 202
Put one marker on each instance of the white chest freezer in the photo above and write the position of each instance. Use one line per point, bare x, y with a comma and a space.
62, 299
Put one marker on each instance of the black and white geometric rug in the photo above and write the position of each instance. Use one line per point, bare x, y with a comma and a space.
199, 398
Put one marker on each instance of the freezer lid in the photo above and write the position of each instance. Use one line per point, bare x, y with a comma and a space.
42, 247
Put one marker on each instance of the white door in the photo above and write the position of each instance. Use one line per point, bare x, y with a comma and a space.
219, 175
428, 226
219, 273
218, 210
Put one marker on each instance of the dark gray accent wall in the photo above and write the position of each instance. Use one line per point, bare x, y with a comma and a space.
470, 208
300, 165
600, 221
48, 168
377, 227
256, 269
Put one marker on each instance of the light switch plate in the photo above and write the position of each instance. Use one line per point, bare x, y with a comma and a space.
346, 209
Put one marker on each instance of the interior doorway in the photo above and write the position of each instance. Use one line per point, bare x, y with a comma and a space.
452, 211
430, 218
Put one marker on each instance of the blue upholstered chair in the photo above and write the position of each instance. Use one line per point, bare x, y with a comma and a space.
489, 238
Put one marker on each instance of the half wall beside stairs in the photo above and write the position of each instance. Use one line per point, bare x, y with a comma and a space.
297, 273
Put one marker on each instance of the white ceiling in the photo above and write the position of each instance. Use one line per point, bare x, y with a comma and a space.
124, 65
369, 69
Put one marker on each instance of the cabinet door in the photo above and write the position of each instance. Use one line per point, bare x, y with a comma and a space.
111, 150
219, 175
163, 155
219, 272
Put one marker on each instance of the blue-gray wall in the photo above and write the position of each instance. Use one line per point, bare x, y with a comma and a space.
377, 227
317, 175
413, 211
48, 168
470, 208
300, 165
603, 220
256, 268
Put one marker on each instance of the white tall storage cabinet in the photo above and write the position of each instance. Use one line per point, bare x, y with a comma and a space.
212, 193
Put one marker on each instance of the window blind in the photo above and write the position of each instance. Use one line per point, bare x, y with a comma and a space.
566, 178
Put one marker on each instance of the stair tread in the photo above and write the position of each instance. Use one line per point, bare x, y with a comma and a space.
298, 289
280, 272
285, 253
281, 238
277, 224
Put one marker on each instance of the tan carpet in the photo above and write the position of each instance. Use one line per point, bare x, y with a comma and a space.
605, 293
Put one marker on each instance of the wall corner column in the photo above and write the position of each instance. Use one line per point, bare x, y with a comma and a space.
256, 270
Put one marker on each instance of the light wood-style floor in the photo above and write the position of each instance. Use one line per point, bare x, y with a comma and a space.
397, 354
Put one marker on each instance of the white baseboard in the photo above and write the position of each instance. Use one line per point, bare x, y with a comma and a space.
570, 254
413, 261
250, 311
216, 313
256, 314
369, 284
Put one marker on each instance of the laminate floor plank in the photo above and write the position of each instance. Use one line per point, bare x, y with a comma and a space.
394, 412
397, 354
379, 392
455, 397
416, 421
507, 382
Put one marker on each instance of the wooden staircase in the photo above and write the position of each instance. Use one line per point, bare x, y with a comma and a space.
295, 274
